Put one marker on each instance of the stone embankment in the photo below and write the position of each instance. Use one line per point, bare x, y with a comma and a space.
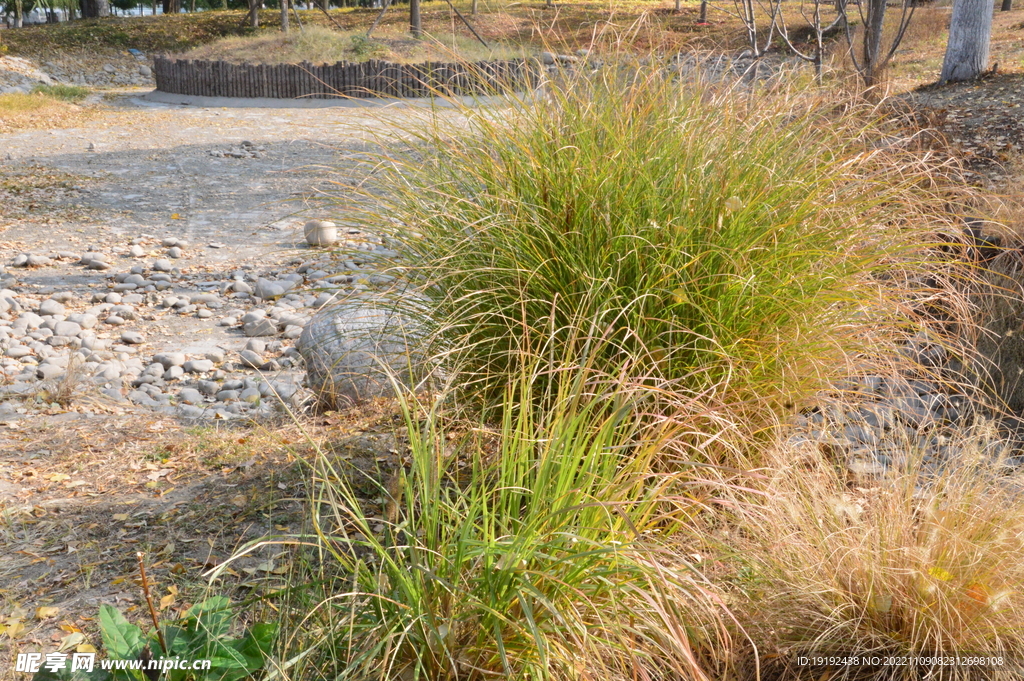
111, 71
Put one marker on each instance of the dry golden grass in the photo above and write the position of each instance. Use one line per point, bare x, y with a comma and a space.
38, 111
825, 564
20, 111
322, 46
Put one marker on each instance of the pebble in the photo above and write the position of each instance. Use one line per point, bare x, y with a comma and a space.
66, 329
250, 395
263, 327
136, 251
866, 467
162, 265
251, 359
166, 360
84, 320
198, 366
270, 290
132, 338
46, 372
50, 307
190, 396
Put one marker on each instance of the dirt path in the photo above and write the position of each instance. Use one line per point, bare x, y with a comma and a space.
83, 485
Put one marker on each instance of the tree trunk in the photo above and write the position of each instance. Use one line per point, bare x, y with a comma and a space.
95, 8
254, 13
970, 30
873, 27
415, 23
170, 6
1007, 6
18, 19
284, 16
474, 7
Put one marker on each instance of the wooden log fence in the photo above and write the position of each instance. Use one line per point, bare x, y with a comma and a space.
373, 78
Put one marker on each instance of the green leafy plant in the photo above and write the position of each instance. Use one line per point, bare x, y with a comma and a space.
367, 48
203, 632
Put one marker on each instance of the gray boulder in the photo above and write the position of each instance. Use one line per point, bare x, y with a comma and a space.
352, 351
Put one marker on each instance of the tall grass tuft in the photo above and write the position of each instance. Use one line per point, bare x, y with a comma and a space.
530, 550
723, 239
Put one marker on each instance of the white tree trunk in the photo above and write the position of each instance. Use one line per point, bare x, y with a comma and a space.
970, 31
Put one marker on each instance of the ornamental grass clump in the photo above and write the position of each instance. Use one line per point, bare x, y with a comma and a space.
724, 240
530, 549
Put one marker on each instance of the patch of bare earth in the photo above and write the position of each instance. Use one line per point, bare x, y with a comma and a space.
92, 495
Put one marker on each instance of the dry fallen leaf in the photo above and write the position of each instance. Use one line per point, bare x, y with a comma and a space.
45, 611
14, 628
71, 641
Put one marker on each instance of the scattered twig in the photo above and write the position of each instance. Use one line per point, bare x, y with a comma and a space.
466, 22
149, 602
328, 15
380, 15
